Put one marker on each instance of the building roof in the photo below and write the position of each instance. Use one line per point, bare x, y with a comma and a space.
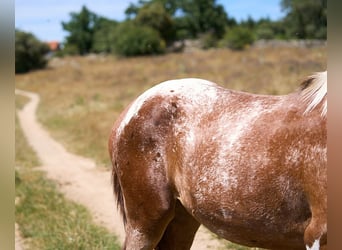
53, 45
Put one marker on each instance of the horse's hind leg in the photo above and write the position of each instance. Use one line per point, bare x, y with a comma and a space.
315, 235
148, 211
148, 202
146, 223
180, 232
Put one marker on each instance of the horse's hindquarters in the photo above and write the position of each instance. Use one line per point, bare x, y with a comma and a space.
251, 168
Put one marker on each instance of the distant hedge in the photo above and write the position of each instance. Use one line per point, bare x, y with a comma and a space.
131, 40
29, 52
238, 38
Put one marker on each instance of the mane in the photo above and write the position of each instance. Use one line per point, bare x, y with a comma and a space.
314, 91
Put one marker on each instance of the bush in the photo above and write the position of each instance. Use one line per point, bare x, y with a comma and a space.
70, 49
264, 31
132, 40
237, 38
29, 52
208, 40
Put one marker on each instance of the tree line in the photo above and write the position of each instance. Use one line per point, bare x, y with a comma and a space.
153, 26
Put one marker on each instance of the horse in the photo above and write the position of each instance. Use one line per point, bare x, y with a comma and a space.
251, 168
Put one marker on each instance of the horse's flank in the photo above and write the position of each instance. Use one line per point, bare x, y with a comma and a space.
252, 168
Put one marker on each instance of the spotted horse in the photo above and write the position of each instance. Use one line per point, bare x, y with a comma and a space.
251, 168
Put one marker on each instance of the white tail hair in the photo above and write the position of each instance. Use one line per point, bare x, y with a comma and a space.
314, 91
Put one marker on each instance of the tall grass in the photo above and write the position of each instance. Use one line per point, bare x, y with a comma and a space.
45, 218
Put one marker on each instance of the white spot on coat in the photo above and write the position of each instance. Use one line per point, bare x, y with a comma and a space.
315, 245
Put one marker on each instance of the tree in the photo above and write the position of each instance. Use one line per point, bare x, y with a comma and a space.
131, 39
103, 35
249, 23
29, 52
81, 30
171, 6
154, 15
203, 16
132, 10
191, 17
305, 18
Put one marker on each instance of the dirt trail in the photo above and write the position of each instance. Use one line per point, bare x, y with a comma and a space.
19, 241
80, 180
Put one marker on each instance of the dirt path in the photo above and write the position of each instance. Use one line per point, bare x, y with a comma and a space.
79, 179
19, 241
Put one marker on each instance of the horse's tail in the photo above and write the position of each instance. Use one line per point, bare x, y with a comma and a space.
118, 193
117, 189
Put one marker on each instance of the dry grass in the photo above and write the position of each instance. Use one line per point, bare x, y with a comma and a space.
82, 97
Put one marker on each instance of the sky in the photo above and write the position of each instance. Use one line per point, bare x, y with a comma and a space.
43, 17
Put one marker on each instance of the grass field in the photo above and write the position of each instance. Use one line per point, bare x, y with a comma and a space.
82, 96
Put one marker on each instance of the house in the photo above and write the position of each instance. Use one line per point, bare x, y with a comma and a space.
54, 46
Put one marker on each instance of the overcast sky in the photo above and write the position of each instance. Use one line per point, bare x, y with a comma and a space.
43, 17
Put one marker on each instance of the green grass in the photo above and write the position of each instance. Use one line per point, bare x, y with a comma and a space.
46, 219
49, 221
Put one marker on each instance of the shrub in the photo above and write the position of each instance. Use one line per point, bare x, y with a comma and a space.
265, 31
70, 49
238, 38
208, 40
132, 40
29, 52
